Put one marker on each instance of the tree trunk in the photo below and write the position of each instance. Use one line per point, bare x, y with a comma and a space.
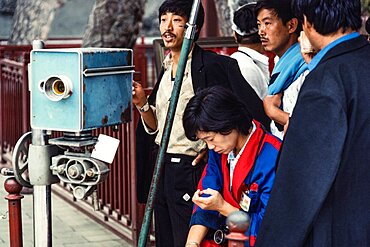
32, 20
225, 12
7, 6
114, 23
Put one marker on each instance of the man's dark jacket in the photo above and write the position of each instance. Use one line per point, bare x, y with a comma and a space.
207, 69
321, 195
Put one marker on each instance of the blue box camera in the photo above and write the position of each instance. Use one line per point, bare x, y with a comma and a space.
80, 89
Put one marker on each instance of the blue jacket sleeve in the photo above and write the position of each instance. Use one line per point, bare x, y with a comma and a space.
211, 178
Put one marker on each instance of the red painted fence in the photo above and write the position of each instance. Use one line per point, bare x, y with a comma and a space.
117, 195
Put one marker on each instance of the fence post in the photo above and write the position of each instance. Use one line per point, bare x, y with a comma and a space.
1, 105
15, 214
25, 93
238, 223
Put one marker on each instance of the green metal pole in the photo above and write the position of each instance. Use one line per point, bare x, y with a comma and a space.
185, 49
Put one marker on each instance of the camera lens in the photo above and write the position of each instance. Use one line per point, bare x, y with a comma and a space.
58, 87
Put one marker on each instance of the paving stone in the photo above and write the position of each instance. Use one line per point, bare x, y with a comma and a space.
101, 238
71, 228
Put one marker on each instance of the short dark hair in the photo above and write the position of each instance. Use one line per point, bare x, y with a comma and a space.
329, 16
246, 21
215, 109
282, 9
367, 25
182, 8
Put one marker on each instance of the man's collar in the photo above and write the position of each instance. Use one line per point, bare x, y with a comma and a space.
255, 54
167, 62
319, 56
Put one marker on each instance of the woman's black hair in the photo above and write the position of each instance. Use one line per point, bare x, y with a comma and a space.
215, 109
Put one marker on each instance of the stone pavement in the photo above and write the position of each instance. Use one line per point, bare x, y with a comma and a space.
71, 228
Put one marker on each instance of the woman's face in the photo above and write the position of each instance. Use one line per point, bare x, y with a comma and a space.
222, 144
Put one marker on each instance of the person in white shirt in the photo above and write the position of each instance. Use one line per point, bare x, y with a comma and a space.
279, 30
253, 65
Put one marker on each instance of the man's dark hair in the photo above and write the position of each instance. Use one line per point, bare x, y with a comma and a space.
282, 9
329, 16
246, 21
215, 109
182, 8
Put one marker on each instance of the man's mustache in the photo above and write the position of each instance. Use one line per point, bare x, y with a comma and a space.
168, 32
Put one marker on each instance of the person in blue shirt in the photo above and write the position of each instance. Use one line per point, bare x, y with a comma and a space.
241, 163
279, 30
321, 192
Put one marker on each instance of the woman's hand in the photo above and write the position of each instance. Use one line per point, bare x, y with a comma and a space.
214, 201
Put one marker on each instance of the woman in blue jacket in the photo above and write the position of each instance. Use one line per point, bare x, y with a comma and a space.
241, 164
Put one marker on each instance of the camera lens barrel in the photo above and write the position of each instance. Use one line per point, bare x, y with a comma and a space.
57, 88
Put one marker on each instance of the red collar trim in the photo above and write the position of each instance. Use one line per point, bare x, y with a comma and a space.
242, 168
